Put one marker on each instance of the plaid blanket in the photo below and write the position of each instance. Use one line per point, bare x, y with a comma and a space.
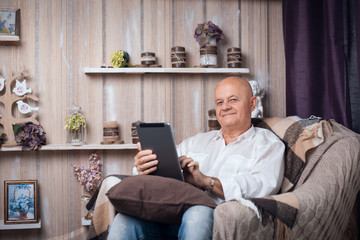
299, 136
104, 211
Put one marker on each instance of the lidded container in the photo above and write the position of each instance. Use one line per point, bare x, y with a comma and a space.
75, 124
213, 123
178, 57
234, 57
148, 58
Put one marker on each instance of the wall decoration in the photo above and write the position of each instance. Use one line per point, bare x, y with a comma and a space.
8, 98
178, 57
21, 201
31, 136
213, 123
20, 88
208, 35
234, 57
111, 133
75, 123
9, 26
134, 135
89, 177
120, 59
259, 92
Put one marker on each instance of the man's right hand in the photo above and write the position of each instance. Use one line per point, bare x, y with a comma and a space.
145, 161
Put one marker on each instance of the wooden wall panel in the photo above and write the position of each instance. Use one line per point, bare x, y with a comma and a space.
93, 56
59, 38
187, 91
275, 98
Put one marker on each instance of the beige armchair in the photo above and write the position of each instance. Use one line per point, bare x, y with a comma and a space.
318, 193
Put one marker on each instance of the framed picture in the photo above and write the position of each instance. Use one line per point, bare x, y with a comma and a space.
20, 201
9, 26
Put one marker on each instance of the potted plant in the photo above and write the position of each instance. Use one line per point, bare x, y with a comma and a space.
120, 59
89, 177
208, 35
75, 123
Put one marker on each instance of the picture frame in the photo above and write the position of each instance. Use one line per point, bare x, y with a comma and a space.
21, 200
10, 26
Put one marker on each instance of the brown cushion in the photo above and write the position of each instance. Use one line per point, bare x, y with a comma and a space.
155, 198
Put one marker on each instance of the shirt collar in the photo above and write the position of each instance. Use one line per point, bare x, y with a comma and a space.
245, 136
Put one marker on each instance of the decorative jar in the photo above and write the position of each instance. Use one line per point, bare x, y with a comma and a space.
208, 53
75, 124
234, 57
178, 57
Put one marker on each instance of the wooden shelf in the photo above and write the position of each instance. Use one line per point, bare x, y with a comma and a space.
238, 71
19, 226
67, 147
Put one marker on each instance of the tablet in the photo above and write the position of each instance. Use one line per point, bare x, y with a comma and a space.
159, 138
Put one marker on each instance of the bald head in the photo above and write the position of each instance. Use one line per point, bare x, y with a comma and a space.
234, 102
236, 82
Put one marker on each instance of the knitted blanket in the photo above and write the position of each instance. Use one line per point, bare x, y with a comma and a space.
104, 211
299, 136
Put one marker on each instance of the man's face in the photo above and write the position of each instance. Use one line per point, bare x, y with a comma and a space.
233, 105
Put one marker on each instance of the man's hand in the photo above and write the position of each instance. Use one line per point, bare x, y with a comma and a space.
145, 161
192, 173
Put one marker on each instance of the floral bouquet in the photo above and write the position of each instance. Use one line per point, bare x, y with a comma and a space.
206, 31
89, 177
120, 59
30, 136
73, 122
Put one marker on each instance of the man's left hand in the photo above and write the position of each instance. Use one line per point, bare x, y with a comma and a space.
192, 173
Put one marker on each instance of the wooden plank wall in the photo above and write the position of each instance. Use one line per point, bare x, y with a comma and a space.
60, 37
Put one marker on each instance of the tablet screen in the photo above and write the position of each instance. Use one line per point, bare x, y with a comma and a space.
159, 138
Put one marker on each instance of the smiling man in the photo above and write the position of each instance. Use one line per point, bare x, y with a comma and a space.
238, 161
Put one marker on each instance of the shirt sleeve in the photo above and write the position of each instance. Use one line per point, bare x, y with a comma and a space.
264, 178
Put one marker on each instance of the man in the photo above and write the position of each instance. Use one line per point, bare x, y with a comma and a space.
238, 161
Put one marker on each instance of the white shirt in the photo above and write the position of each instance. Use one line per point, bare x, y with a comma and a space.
252, 166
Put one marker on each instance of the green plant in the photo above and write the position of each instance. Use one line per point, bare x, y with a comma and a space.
204, 32
73, 122
119, 59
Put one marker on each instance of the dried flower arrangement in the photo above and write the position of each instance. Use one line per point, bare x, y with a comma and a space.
73, 122
2, 138
89, 177
206, 31
119, 59
31, 136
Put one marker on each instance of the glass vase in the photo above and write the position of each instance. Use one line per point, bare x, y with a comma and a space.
76, 127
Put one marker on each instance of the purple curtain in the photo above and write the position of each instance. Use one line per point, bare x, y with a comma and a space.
322, 64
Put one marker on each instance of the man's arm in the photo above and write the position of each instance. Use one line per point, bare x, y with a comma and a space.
193, 176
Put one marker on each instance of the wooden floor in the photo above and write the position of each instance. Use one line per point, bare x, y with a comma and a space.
59, 38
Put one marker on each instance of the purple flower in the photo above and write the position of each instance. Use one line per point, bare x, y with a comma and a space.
204, 32
89, 177
31, 137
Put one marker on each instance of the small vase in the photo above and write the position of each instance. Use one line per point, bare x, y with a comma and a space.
208, 54
76, 136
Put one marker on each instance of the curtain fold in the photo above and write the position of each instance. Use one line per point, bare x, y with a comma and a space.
321, 53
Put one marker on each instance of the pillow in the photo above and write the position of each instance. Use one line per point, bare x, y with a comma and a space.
156, 198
